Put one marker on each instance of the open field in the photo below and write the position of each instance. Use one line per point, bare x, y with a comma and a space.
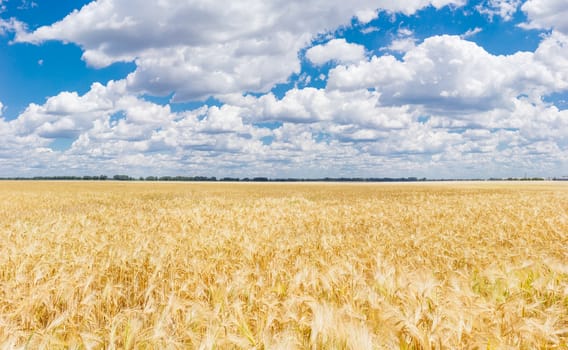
283, 266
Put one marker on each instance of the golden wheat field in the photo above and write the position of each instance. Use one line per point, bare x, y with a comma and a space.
116, 265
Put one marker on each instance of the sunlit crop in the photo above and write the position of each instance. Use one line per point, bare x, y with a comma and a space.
283, 266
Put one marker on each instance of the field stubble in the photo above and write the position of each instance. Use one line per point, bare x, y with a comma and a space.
280, 266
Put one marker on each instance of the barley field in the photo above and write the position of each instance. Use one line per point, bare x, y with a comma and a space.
112, 265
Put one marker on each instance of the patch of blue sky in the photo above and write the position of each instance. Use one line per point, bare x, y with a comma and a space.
267, 140
31, 73
560, 100
496, 36
116, 117
272, 125
280, 90
37, 13
62, 144
321, 136
54, 66
159, 100
191, 105
177, 107
505, 129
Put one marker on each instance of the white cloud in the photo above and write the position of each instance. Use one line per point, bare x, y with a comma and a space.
552, 53
366, 15
446, 108
371, 29
402, 45
195, 73
409, 7
67, 114
384, 70
471, 32
446, 73
403, 42
357, 122
546, 14
27, 4
112, 129
11, 25
503, 8
337, 50
323, 132
310, 105
245, 46
404, 32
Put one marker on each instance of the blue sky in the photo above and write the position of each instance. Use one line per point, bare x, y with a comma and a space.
434, 88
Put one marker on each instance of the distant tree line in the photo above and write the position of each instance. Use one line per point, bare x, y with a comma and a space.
66, 178
170, 178
262, 179
265, 179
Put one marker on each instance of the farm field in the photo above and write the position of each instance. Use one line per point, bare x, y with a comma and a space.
116, 265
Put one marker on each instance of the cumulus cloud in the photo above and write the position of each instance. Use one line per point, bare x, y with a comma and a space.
111, 128
404, 41
447, 73
337, 50
546, 14
447, 107
402, 45
247, 46
196, 73
358, 109
314, 131
552, 53
320, 131
11, 25
68, 114
503, 8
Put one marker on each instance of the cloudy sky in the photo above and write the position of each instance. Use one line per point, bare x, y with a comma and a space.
279, 88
